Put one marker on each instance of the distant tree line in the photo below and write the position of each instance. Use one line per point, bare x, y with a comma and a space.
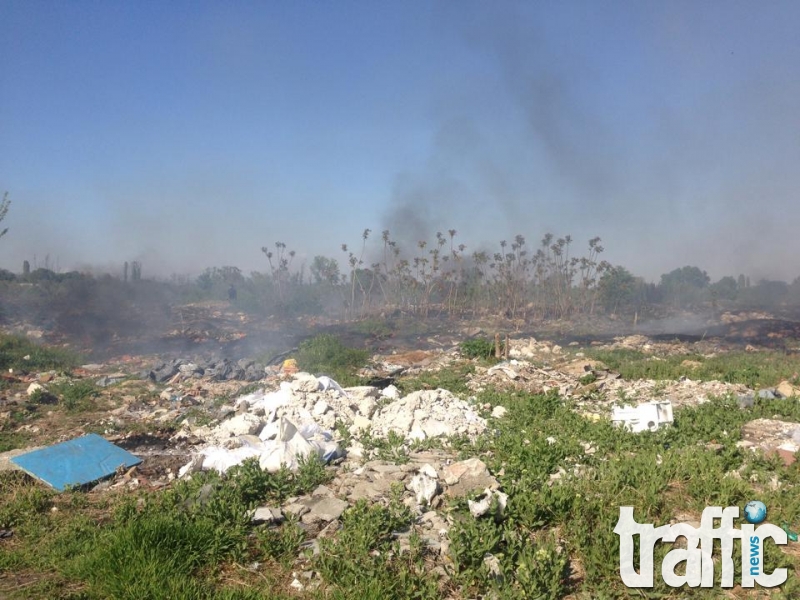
437, 278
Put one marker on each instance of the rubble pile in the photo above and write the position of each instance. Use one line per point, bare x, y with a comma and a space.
773, 437
427, 480
594, 388
300, 418
427, 414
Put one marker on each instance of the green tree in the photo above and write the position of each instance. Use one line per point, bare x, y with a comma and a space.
325, 270
725, 289
685, 286
617, 288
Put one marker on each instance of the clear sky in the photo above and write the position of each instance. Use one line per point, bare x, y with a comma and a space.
191, 134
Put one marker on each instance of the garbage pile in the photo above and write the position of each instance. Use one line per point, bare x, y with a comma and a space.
304, 415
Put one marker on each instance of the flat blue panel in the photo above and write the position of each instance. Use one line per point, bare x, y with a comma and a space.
76, 462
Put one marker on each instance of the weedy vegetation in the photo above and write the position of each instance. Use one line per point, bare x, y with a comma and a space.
566, 477
326, 354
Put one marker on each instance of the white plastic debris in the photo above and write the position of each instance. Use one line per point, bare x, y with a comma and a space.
268, 402
326, 383
483, 505
645, 417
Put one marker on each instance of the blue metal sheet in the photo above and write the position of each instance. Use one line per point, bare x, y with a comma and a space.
76, 462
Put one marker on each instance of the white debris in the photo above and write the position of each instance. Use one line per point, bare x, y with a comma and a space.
498, 412
35, 387
391, 392
425, 484
483, 505
430, 412
244, 424
295, 421
326, 383
645, 417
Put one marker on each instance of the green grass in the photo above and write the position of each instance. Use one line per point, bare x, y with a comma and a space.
480, 348
192, 540
77, 395
624, 471
326, 354
453, 378
169, 545
14, 349
755, 369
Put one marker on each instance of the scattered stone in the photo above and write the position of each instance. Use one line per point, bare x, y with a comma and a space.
324, 508
468, 476
498, 412
773, 437
265, 514
786, 390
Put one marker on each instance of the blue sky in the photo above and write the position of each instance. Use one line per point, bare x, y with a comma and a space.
191, 134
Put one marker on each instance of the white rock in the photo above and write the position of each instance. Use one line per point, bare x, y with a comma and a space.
244, 424
361, 423
425, 487
391, 392
320, 408
35, 387
305, 382
478, 508
366, 407
428, 470
499, 412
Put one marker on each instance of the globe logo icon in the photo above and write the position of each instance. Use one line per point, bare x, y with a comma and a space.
755, 512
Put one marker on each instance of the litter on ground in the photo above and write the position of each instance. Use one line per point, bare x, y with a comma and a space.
77, 462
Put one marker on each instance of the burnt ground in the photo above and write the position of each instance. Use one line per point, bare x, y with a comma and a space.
222, 335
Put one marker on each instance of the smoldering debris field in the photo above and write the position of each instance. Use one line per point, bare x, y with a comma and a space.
393, 455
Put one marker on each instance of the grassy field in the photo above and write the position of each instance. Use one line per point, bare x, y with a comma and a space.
555, 539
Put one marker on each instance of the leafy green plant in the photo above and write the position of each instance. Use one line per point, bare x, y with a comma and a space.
76, 395
282, 543
327, 354
479, 348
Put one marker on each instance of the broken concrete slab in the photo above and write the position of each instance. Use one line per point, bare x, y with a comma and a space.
77, 462
468, 476
323, 508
